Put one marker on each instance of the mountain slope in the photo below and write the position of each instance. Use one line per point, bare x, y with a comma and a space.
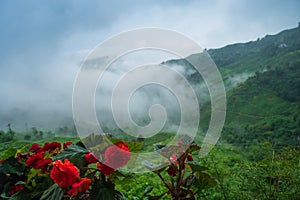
265, 108
237, 62
262, 79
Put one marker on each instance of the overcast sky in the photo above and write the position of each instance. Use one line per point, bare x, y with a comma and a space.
43, 42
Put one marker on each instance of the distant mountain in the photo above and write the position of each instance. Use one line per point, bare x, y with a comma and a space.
239, 61
262, 79
265, 108
265, 48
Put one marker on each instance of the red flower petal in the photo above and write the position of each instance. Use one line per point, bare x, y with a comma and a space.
34, 159
66, 144
117, 155
80, 186
90, 158
51, 146
171, 171
190, 157
15, 188
106, 170
35, 148
64, 174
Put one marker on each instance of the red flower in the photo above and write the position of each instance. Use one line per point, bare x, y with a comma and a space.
173, 160
43, 164
64, 174
90, 158
106, 170
15, 188
35, 148
180, 142
22, 156
32, 161
2, 160
172, 171
51, 146
190, 157
37, 161
117, 155
99, 165
66, 144
80, 186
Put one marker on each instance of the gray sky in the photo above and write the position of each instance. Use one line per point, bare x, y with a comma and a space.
43, 42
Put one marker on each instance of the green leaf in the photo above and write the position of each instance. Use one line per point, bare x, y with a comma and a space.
204, 180
39, 185
3, 196
9, 153
12, 166
6, 189
193, 148
120, 195
22, 149
80, 144
53, 193
21, 195
196, 166
32, 173
158, 146
75, 154
121, 179
100, 191
94, 140
150, 197
148, 190
20, 183
191, 179
135, 146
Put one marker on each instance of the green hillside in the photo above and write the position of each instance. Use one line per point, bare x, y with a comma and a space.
244, 59
266, 107
269, 52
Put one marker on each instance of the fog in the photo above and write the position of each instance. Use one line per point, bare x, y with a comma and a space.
138, 67
44, 44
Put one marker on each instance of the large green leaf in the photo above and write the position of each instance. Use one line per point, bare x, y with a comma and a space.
121, 179
196, 166
21, 195
102, 192
135, 146
12, 166
98, 140
53, 193
33, 173
75, 154
40, 185
11, 152
204, 180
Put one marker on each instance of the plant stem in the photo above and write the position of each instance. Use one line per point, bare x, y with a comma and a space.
164, 181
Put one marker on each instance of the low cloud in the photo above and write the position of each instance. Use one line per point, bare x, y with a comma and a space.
43, 44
